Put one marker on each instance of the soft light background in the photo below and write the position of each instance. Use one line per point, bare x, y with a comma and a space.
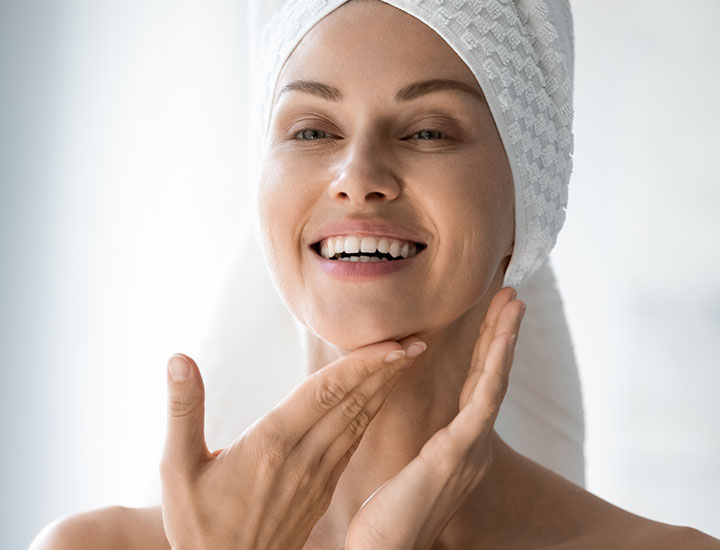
122, 132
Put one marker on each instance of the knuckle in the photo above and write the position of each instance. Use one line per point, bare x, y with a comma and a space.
353, 404
182, 406
359, 423
365, 367
274, 449
353, 447
445, 454
448, 466
329, 394
306, 480
490, 410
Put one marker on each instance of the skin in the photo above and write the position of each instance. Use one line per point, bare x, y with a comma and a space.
368, 159
457, 191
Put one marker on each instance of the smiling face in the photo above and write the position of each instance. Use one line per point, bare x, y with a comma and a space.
371, 143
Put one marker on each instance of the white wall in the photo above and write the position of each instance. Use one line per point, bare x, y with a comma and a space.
123, 196
639, 261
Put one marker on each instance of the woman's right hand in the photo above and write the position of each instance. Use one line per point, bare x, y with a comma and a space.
268, 489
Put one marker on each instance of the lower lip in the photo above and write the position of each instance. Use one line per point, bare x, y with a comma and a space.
361, 270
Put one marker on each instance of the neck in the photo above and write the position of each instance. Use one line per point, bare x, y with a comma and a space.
425, 400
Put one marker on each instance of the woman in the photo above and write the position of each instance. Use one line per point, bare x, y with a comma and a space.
387, 148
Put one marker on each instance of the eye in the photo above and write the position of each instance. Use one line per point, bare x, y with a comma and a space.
429, 135
311, 134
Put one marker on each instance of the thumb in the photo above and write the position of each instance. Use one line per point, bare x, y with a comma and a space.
185, 444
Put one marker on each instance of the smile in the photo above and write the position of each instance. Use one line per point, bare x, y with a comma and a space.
366, 248
366, 259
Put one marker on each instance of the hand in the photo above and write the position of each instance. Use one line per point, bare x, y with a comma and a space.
268, 489
410, 510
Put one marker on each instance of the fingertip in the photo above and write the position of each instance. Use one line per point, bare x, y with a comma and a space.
179, 367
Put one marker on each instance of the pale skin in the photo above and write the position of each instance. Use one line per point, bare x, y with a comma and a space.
439, 475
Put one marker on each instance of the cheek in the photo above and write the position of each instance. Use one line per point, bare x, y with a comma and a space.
470, 204
281, 211
471, 201
281, 202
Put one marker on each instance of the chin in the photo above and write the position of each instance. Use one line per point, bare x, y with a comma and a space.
357, 334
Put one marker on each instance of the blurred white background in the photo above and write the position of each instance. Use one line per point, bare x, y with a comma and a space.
122, 134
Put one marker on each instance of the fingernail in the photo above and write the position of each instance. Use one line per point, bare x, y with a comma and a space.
416, 349
522, 311
178, 368
514, 294
394, 355
511, 342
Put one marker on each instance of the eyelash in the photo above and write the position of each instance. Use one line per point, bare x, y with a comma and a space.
303, 130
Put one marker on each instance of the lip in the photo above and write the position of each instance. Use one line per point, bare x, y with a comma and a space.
373, 226
362, 270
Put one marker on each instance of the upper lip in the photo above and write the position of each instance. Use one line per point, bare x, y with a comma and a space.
374, 226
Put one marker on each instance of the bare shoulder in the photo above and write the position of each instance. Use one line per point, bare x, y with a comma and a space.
110, 528
662, 536
621, 529
573, 517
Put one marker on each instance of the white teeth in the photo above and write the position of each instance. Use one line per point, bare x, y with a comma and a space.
352, 244
383, 245
368, 244
339, 244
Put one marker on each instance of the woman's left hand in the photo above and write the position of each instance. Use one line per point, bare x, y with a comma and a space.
410, 510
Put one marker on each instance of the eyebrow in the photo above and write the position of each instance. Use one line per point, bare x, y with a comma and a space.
407, 93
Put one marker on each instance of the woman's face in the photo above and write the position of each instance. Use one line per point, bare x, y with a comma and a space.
430, 161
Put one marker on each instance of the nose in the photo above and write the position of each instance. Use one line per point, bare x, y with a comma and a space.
365, 175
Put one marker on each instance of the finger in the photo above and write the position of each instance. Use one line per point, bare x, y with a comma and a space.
487, 332
323, 390
338, 455
302, 473
334, 433
477, 417
185, 444
508, 322
487, 328
493, 384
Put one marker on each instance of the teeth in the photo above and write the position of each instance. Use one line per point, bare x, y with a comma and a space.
363, 259
339, 244
367, 244
383, 245
354, 243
